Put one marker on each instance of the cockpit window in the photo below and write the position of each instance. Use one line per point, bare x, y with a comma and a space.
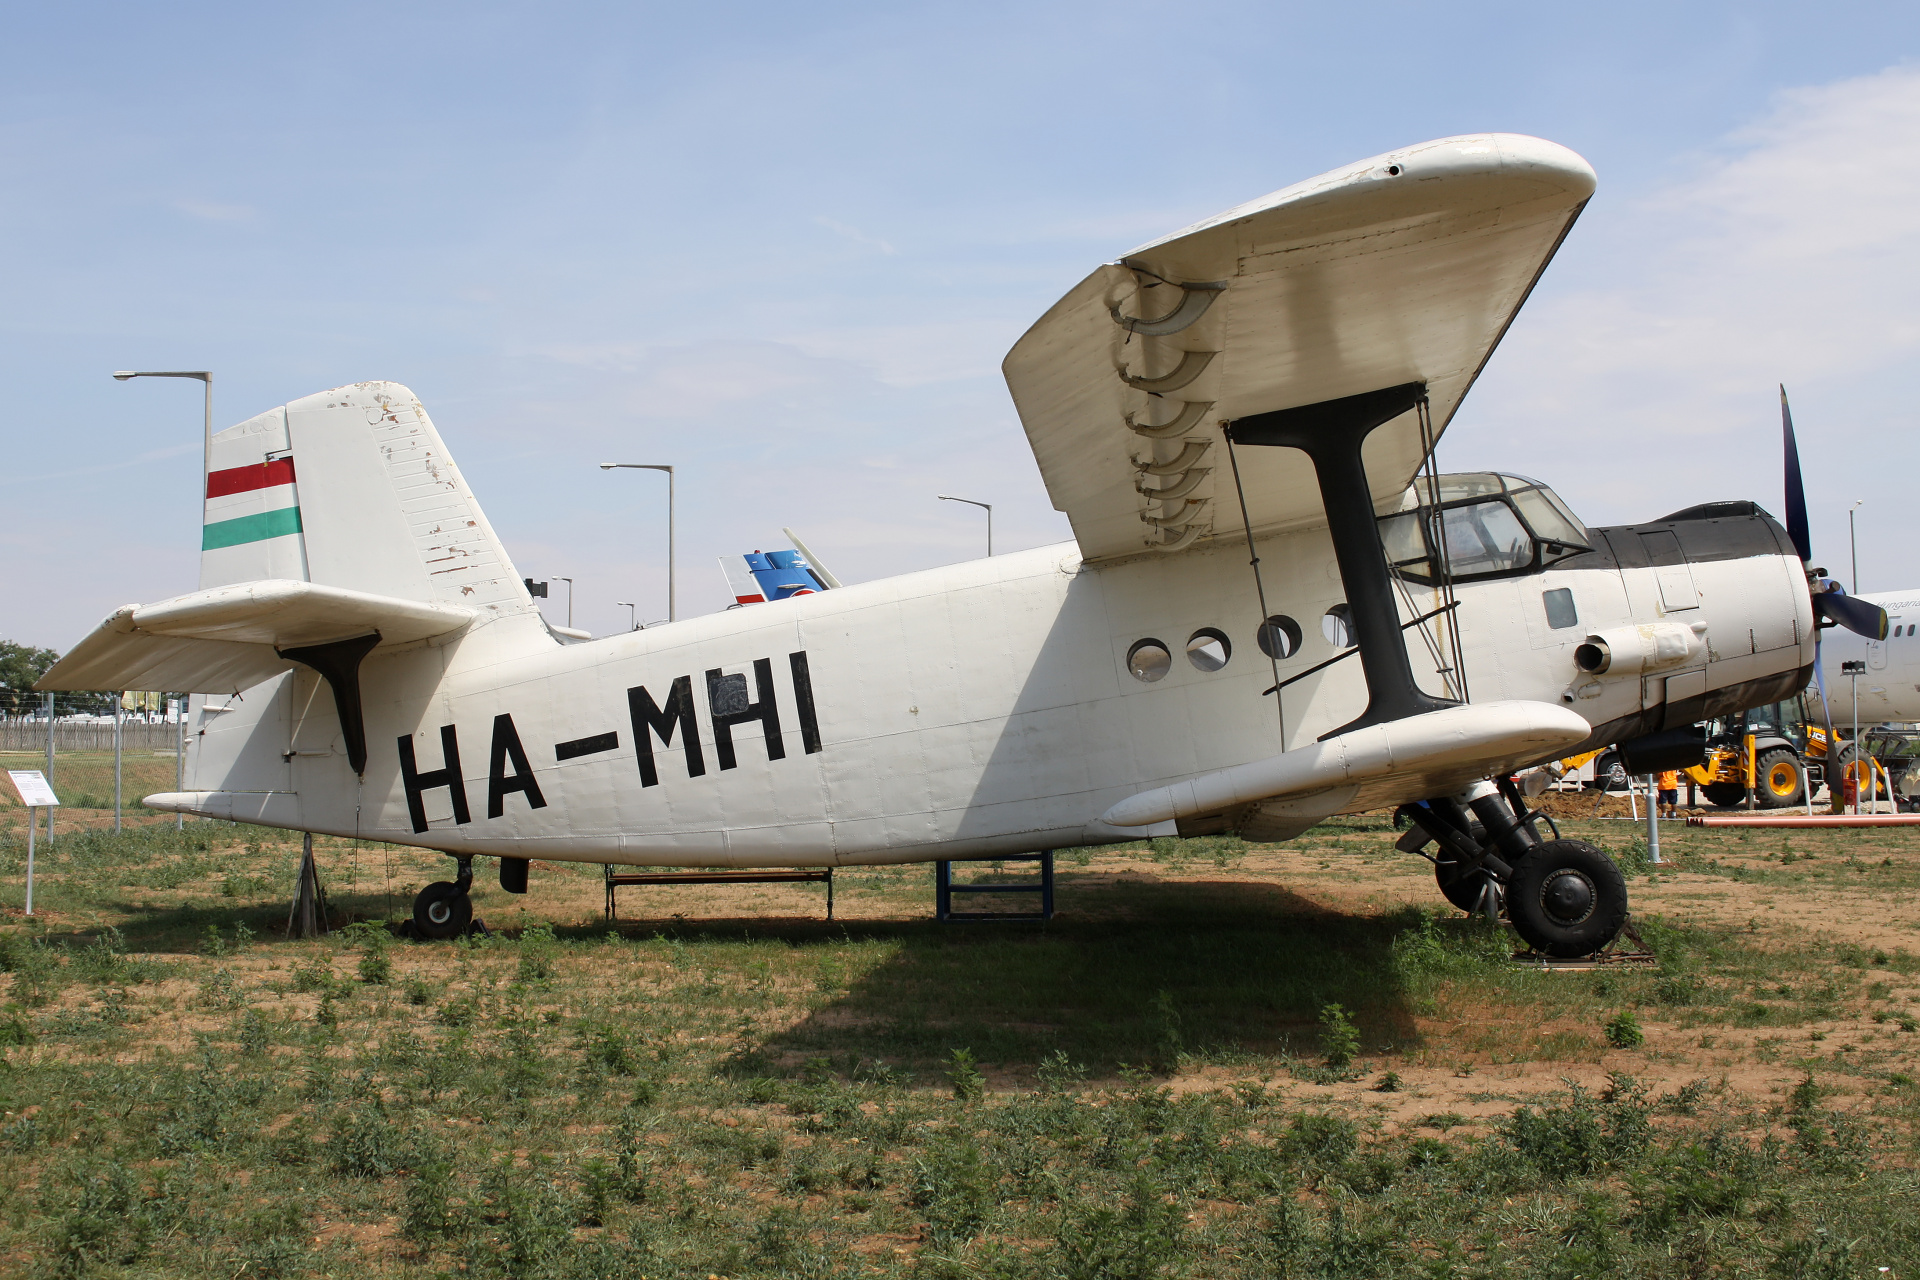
1491, 526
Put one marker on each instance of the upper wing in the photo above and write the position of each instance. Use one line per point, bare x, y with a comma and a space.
230, 637
1404, 268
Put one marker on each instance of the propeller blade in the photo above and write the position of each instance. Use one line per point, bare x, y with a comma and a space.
1796, 491
1856, 615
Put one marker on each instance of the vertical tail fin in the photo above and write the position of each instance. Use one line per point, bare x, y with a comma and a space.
353, 488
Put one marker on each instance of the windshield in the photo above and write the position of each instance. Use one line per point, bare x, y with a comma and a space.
1490, 524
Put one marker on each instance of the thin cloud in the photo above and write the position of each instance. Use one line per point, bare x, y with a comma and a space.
1645, 373
856, 235
125, 464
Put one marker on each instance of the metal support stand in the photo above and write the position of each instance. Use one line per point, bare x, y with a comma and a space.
944, 888
308, 917
795, 875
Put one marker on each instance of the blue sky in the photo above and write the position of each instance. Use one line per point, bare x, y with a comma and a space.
784, 247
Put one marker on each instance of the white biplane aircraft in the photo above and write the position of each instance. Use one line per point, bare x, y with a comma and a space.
1238, 420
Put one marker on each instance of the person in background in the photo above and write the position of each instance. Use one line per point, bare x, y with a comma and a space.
1670, 794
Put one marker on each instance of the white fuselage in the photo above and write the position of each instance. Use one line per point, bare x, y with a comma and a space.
1889, 687
980, 709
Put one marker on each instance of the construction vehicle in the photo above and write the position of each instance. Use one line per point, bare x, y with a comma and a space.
1779, 750
1776, 751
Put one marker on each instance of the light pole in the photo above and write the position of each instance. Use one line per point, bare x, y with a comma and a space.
1853, 548
569, 582
989, 510
655, 466
633, 619
206, 469
123, 374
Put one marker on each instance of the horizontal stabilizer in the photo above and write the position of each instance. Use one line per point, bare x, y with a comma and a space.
1445, 750
228, 637
267, 808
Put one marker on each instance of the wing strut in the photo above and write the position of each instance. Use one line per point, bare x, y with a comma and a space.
339, 663
1331, 433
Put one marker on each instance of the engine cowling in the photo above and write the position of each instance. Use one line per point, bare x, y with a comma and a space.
1635, 650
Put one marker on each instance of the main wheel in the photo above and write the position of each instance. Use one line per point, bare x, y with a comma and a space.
1778, 772
1727, 795
1567, 899
442, 910
1462, 888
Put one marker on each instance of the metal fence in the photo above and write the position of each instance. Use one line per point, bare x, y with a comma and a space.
31, 735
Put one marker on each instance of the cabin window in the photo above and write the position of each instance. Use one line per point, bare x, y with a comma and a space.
1560, 610
1208, 649
1149, 660
1279, 637
1337, 627
1490, 525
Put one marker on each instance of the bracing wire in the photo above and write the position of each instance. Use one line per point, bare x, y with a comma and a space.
1457, 678
1426, 636
1260, 592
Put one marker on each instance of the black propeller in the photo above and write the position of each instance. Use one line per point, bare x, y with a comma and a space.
1831, 603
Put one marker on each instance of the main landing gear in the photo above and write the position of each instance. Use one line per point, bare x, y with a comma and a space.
443, 909
1565, 898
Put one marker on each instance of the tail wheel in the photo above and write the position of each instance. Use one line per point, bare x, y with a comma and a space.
442, 910
1567, 899
1778, 772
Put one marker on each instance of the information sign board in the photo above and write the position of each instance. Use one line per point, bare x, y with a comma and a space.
33, 788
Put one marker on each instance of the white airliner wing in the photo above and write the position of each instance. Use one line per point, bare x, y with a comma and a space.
228, 637
1404, 268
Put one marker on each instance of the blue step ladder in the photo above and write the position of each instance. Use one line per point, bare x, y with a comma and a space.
944, 888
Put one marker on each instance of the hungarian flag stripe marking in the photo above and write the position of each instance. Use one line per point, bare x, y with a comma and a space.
259, 475
253, 528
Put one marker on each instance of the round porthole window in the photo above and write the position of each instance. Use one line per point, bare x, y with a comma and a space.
1149, 660
1337, 627
1208, 649
1280, 637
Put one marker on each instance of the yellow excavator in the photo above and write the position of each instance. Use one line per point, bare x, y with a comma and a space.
1775, 751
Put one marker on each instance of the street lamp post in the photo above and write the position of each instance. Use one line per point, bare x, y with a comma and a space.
206, 468
633, 619
988, 506
1853, 548
569, 582
655, 466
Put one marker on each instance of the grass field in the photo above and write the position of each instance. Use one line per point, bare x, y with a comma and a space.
1219, 1060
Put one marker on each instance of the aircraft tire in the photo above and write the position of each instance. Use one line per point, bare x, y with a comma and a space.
1567, 899
1463, 891
442, 910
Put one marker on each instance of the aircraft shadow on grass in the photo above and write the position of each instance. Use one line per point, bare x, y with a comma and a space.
1145, 971
1134, 971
